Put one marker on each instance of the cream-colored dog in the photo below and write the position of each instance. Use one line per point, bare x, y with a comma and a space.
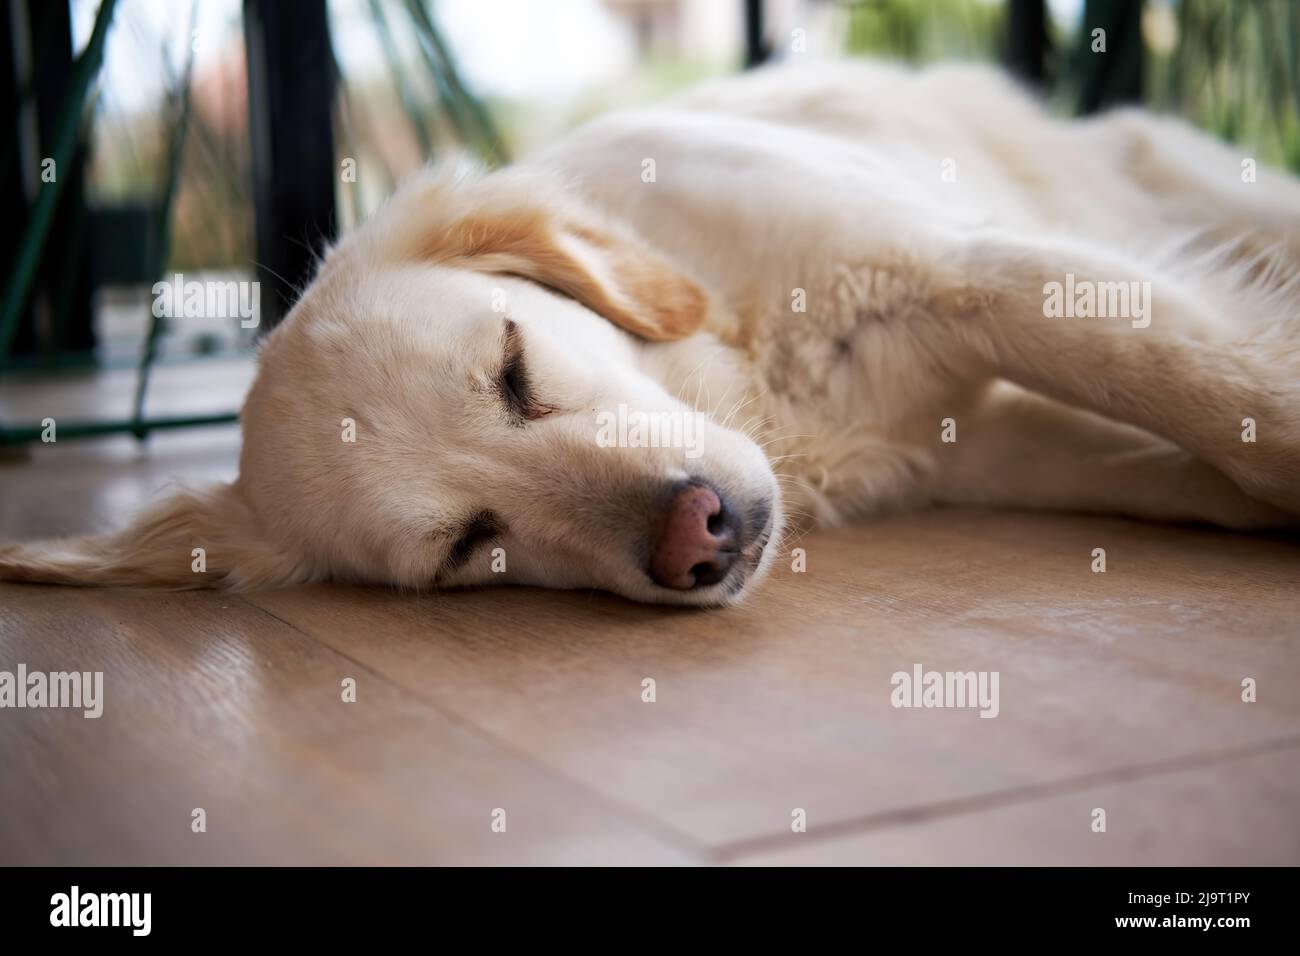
826, 291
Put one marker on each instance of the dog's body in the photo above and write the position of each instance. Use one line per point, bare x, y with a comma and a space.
872, 190
853, 265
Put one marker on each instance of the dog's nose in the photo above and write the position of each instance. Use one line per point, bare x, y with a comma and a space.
698, 543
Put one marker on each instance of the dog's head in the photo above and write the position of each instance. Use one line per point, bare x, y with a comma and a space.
480, 386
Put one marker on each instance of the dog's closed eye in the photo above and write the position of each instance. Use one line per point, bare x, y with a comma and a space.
516, 389
479, 530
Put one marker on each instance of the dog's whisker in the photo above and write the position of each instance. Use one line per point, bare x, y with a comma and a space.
773, 441
735, 409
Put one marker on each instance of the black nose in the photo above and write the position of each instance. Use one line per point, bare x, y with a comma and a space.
698, 541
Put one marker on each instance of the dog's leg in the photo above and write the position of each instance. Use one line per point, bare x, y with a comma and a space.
1234, 405
1019, 449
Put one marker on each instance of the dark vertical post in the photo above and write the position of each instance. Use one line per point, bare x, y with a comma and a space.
59, 317
756, 50
13, 195
290, 99
1027, 40
1115, 75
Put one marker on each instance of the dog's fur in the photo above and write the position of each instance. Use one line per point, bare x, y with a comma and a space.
916, 217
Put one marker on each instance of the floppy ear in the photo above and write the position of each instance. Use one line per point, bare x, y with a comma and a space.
518, 223
158, 550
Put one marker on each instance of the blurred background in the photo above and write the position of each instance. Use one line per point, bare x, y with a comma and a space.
228, 140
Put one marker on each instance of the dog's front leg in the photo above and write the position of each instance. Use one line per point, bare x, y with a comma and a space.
1019, 449
1236, 405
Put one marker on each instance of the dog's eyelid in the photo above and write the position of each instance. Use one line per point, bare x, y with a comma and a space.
512, 343
467, 537
512, 378
512, 348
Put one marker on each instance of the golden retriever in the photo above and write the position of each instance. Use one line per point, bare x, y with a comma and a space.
822, 291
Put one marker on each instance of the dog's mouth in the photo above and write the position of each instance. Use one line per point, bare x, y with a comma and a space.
751, 559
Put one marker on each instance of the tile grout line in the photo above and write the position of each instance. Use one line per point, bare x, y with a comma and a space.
663, 832
1028, 793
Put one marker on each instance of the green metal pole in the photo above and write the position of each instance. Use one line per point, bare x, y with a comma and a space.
466, 113
400, 79
176, 151
30, 249
24, 434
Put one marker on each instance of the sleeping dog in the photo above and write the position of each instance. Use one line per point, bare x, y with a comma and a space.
803, 295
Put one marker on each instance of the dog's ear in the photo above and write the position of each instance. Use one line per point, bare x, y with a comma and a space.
608, 272
191, 540
517, 223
